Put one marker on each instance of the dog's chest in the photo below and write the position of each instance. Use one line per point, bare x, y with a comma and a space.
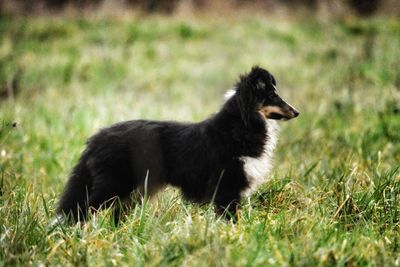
257, 169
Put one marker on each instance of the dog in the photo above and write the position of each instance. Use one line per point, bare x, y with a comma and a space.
218, 160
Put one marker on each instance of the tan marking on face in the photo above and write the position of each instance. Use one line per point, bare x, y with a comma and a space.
267, 110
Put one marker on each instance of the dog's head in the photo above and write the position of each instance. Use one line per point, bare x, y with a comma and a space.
257, 92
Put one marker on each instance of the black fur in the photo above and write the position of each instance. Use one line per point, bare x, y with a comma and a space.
202, 159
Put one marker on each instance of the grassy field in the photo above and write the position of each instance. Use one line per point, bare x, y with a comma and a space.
334, 195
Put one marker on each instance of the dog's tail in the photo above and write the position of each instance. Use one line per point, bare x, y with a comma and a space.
74, 200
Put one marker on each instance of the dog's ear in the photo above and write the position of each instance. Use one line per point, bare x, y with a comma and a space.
259, 77
256, 70
245, 97
256, 77
253, 79
256, 73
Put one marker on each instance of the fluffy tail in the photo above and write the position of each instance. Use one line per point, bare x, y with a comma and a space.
74, 200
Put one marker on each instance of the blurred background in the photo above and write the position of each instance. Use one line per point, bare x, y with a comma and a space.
71, 67
340, 7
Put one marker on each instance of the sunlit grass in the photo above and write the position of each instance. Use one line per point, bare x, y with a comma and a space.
334, 194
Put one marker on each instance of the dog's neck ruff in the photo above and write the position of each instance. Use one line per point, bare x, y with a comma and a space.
228, 94
257, 169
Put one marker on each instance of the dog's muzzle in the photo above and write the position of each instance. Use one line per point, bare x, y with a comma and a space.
280, 110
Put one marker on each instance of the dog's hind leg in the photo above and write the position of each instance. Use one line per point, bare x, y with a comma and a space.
110, 189
122, 209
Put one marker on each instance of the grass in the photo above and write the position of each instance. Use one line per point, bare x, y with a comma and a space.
334, 195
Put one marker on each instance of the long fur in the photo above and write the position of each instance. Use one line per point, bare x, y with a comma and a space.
221, 158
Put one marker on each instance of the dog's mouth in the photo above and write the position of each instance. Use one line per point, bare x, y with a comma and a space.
276, 116
284, 112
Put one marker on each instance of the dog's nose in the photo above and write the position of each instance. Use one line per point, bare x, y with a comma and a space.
296, 113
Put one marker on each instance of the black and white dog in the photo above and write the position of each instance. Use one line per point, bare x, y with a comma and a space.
219, 159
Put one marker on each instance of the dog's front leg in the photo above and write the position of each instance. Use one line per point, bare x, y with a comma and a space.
228, 207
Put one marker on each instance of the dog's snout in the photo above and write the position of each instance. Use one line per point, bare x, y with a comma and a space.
291, 111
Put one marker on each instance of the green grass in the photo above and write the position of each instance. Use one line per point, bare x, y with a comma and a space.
334, 195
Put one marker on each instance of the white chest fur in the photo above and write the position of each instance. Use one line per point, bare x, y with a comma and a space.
257, 169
